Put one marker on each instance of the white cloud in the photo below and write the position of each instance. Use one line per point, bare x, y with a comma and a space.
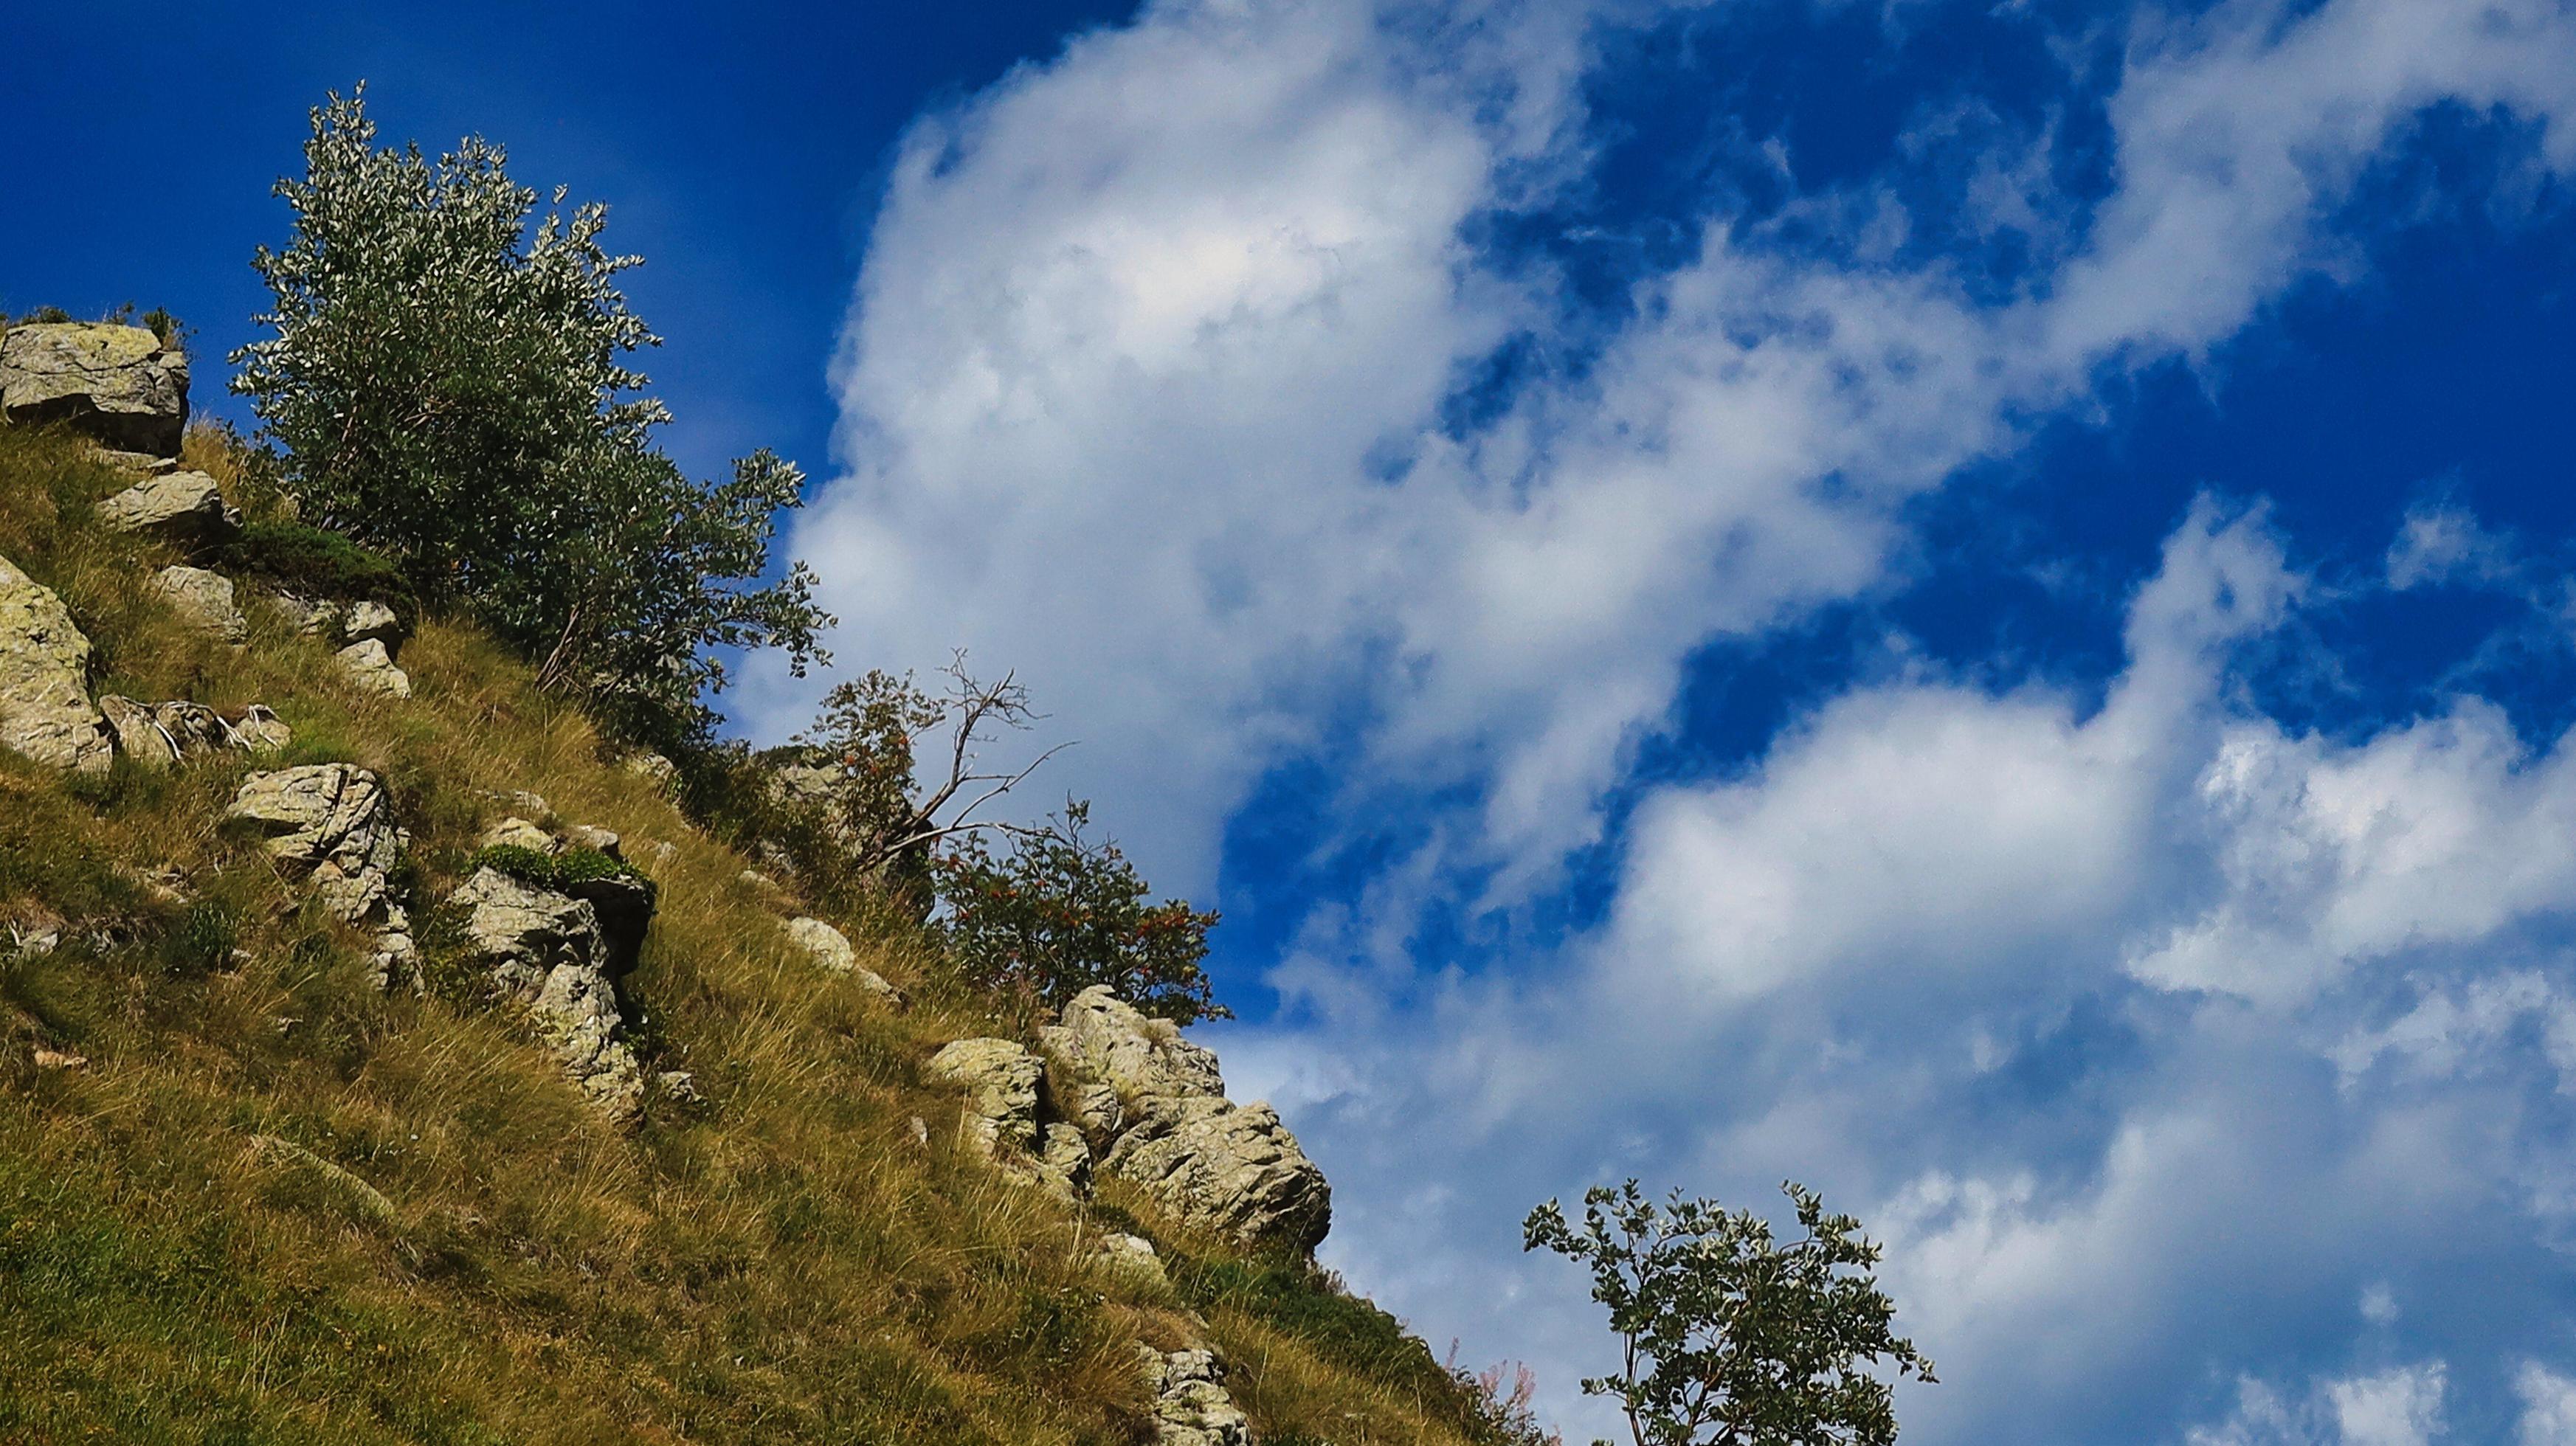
1142, 396
1143, 382
2548, 1406
2397, 1407
2400, 1407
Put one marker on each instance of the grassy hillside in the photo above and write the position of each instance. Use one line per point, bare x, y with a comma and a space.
273, 1205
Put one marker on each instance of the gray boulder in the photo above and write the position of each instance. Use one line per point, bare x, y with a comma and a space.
45, 712
1102, 1037
372, 669
1234, 1171
833, 953
260, 730
205, 599
1002, 1081
1191, 1404
363, 620
119, 384
549, 951
184, 508
329, 823
159, 735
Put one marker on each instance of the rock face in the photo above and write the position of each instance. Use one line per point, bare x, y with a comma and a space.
1191, 1404
119, 384
1006, 1118
1104, 1038
1233, 1170
1001, 1081
204, 599
1154, 1107
185, 508
550, 951
45, 711
331, 824
833, 954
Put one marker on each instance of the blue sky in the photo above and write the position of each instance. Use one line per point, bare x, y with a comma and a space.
1963, 602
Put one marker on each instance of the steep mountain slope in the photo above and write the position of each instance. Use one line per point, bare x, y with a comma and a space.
288, 1154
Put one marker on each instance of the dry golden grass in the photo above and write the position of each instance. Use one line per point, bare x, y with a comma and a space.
274, 1206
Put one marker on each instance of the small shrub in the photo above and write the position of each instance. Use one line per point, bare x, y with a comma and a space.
1059, 914
561, 872
313, 563
202, 939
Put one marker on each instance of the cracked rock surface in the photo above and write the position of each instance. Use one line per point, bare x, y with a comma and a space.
332, 825
1191, 1405
45, 711
551, 953
121, 385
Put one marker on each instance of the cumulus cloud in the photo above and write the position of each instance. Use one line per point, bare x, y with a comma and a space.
2399, 1407
1144, 386
1150, 391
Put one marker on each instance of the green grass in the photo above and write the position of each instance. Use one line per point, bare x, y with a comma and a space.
276, 1206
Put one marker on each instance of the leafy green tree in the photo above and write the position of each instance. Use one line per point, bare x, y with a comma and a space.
449, 385
1059, 913
1731, 1337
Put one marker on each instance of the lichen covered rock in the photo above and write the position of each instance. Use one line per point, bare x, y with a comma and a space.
121, 385
1191, 1404
185, 508
332, 825
1104, 1038
371, 667
205, 599
548, 951
45, 711
833, 953
1002, 1082
1233, 1170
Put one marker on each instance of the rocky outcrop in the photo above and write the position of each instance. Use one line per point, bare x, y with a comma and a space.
45, 712
158, 735
122, 385
1006, 1118
832, 953
1154, 1107
1123, 1092
186, 509
552, 953
1191, 1404
205, 599
331, 825
368, 633
1234, 1170
622, 898
1103, 1038
1001, 1080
